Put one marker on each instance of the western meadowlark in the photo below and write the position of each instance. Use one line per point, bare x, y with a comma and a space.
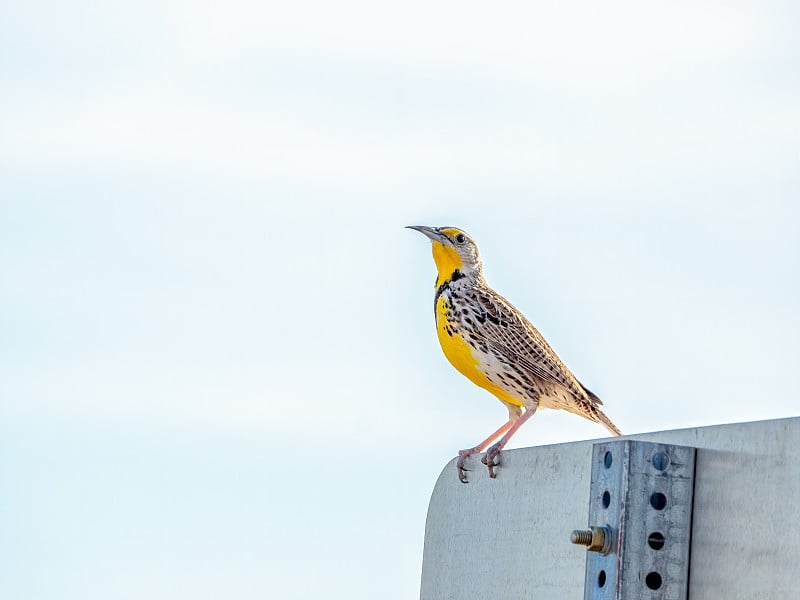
493, 345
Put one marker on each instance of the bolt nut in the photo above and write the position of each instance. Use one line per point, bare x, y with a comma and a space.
596, 539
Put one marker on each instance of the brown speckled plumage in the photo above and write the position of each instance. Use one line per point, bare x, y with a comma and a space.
492, 343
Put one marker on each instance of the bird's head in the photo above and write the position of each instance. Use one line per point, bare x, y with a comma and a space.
453, 250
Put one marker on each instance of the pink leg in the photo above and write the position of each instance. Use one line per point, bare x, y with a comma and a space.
489, 459
464, 454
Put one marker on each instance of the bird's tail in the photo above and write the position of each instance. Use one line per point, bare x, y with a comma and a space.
599, 415
605, 421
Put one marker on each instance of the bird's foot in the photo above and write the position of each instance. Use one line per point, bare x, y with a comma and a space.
463, 455
492, 458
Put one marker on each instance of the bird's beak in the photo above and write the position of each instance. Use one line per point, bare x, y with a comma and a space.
428, 231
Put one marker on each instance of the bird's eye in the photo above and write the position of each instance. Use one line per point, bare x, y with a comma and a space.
460, 238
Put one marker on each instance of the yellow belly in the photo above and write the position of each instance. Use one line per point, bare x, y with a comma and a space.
462, 356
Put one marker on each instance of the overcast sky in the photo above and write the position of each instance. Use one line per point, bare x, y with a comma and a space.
219, 376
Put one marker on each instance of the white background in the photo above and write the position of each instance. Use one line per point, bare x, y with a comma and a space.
219, 376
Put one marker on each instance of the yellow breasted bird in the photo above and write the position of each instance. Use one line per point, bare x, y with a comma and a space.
493, 345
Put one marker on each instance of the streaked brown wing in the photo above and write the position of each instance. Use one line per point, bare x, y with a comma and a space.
514, 337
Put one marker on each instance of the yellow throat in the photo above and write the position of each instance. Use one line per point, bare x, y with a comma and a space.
447, 260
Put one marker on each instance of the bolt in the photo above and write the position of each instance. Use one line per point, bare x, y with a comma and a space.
596, 539
582, 537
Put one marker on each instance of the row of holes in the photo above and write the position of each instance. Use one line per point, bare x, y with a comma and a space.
658, 501
660, 460
652, 580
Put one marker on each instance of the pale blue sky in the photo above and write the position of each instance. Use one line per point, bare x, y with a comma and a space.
219, 376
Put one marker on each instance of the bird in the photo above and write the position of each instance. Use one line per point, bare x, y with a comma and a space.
493, 345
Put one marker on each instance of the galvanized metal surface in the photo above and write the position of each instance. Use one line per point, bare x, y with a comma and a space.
508, 538
643, 492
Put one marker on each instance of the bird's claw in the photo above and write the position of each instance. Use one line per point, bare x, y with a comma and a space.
492, 459
462, 470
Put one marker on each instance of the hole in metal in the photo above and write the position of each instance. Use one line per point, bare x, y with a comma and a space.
606, 499
601, 579
656, 540
653, 580
660, 461
658, 501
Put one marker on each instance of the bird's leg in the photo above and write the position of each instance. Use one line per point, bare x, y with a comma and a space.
464, 454
490, 458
